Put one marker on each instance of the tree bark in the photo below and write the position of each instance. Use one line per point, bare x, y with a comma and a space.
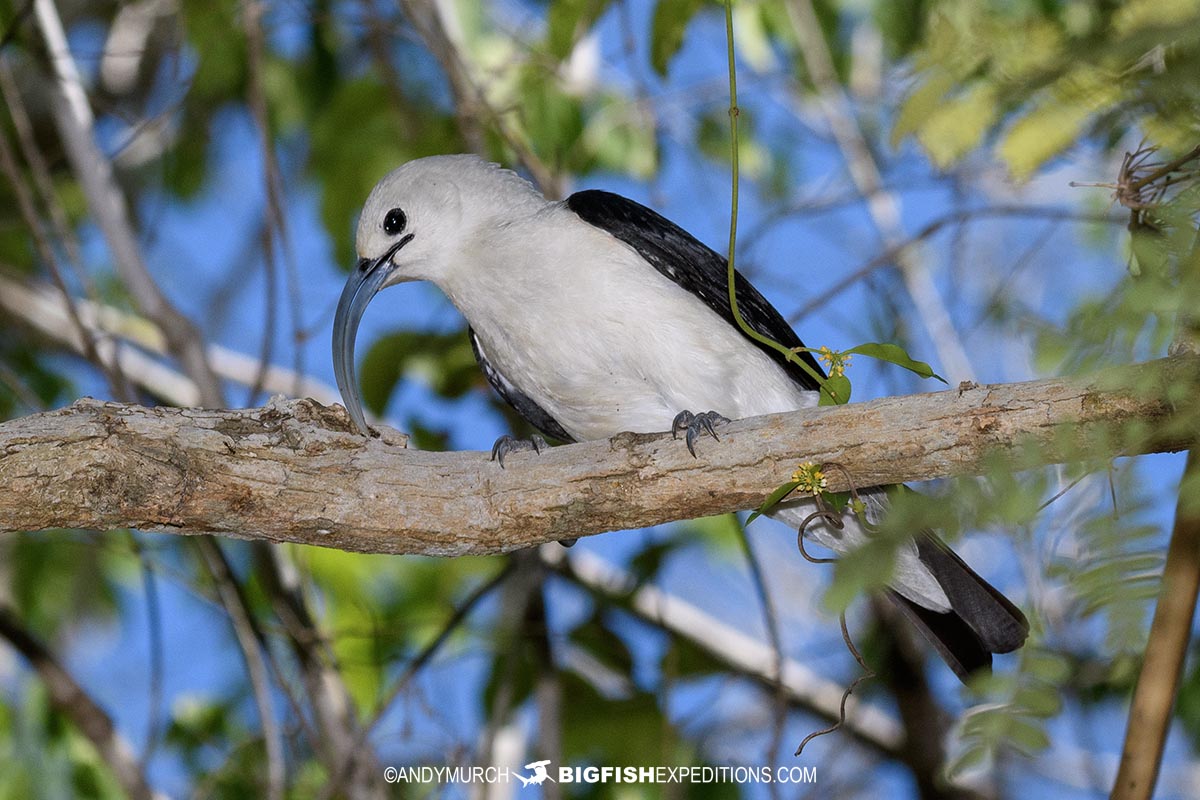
295, 471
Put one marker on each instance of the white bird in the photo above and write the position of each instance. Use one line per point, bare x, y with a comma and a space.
595, 316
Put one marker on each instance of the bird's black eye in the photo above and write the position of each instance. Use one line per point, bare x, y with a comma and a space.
394, 222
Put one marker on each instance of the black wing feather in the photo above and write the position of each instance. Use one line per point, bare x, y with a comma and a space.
694, 267
530, 411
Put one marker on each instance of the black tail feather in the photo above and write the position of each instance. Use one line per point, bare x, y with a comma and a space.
981, 621
999, 625
953, 639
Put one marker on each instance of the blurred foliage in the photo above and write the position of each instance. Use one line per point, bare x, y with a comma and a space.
42, 757
27, 385
62, 578
579, 88
1045, 76
1020, 704
444, 362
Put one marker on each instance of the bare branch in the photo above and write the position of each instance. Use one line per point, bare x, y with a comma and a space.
470, 101
294, 471
1153, 702
231, 596
45, 310
75, 123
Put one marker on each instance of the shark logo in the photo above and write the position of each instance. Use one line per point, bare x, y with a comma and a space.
540, 775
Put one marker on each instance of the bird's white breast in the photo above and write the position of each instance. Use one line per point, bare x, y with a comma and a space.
597, 337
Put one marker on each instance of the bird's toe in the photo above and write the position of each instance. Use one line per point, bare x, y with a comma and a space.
693, 425
510, 444
681, 422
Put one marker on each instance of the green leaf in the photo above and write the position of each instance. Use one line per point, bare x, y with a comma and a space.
671, 18
895, 354
567, 21
969, 759
1040, 700
1057, 119
773, 499
553, 118
620, 136
921, 104
1027, 735
836, 500
598, 638
956, 126
835, 391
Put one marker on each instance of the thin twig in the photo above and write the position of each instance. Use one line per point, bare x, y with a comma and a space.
418, 663
154, 628
277, 228
332, 706
470, 102
516, 603
244, 630
894, 251
1163, 171
45, 250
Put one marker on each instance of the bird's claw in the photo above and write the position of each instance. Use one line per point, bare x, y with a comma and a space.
696, 424
510, 444
507, 444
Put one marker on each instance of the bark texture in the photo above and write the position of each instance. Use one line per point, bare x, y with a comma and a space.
295, 471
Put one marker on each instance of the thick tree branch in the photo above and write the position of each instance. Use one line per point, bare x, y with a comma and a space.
293, 471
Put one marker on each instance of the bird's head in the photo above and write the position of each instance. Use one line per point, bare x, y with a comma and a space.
413, 227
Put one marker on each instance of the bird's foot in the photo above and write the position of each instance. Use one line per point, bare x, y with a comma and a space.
696, 424
510, 444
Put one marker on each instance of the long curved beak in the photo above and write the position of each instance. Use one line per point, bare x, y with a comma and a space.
364, 282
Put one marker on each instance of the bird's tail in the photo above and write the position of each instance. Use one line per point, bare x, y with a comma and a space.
981, 621
963, 616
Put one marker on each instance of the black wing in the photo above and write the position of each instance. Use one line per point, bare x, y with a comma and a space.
530, 411
695, 267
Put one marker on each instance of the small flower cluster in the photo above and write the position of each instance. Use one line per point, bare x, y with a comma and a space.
836, 362
809, 478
